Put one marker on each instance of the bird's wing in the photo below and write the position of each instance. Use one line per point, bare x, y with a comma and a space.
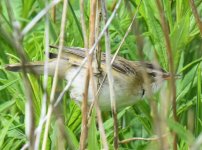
72, 50
76, 54
71, 57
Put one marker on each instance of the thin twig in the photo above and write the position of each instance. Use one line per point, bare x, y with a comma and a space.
171, 65
196, 15
55, 78
110, 77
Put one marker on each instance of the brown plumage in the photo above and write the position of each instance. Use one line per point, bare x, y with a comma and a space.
129, 83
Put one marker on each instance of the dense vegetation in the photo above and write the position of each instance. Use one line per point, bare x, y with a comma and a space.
147, 36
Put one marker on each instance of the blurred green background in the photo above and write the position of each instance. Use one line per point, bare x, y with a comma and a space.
134, 121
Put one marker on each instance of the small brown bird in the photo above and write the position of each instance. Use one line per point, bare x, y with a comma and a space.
129, 83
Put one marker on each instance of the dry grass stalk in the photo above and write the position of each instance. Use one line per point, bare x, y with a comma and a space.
53, 13
196, 15
83, 25
84, 129
110, 77
98, 70
172, 87
89, 76
55, 78
84, 109
97, 64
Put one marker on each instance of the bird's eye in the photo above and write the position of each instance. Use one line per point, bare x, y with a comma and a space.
152, 74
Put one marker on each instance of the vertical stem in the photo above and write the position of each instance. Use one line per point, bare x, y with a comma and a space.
84, 130
84, 127
53, 13
98, 69
171, 65
83, 24
110, 77
55, 79
196, 15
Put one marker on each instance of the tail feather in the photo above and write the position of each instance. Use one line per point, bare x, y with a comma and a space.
13, 67
38, 67
29, 68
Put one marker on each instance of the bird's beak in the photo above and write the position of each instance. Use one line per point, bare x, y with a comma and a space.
167, 76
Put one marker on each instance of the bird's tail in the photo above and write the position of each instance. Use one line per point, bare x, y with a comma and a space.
38, 67
29, 68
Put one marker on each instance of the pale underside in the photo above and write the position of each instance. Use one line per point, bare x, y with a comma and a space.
124, 95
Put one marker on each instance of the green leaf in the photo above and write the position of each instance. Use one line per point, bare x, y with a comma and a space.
181, 131
191, 64
73, 142
155, 31
9, 144
76, 20
92, 136
26, 7
8, 84
187, 83
199, 103
6, 105
6, 125
109, 123
13, 144
21, 104
74, 116
179, 37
